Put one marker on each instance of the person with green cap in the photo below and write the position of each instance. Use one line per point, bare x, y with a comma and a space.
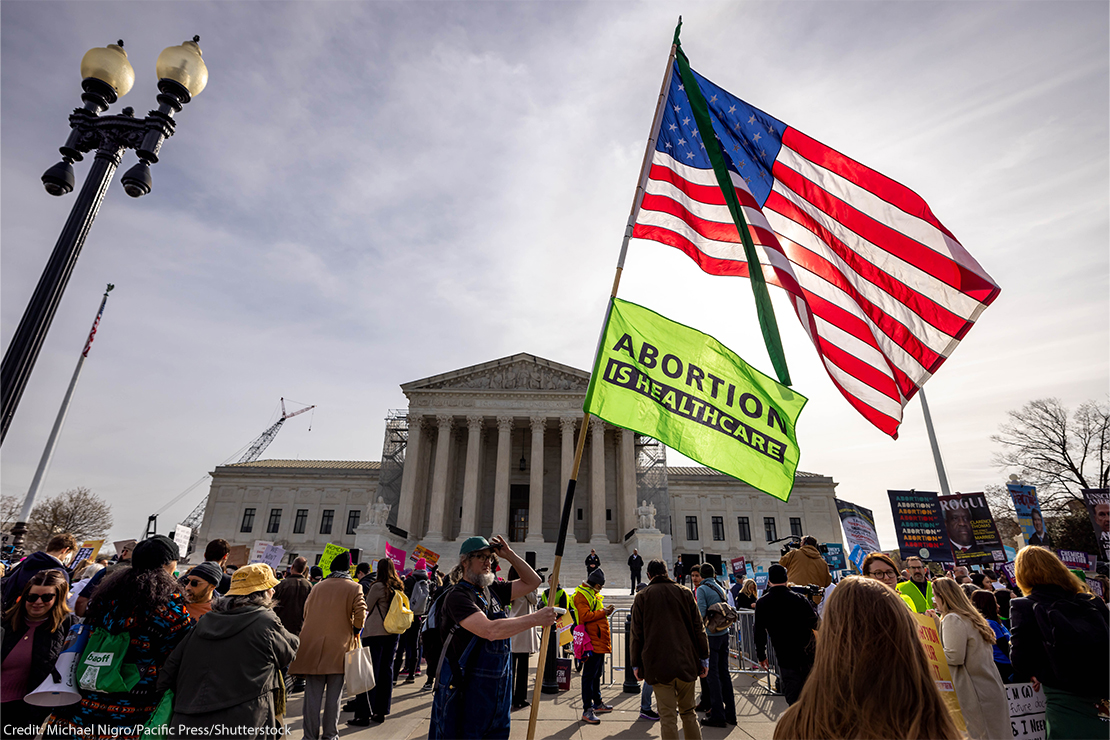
474, 680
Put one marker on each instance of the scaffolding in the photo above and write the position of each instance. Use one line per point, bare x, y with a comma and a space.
393, 461
651, 479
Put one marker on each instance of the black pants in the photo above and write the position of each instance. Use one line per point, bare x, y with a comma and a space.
592, 669
408, 650
520, 678
635, 580
722, 699
793, 679
377, 701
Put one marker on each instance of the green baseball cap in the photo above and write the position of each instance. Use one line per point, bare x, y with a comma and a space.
473, 544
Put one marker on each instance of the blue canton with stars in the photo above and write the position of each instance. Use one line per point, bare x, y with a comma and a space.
750, 138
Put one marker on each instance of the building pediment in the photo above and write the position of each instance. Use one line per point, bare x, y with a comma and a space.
521, 372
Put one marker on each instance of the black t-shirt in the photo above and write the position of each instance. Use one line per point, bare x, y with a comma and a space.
464, 601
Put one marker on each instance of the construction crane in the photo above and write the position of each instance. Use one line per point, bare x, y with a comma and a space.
256, 449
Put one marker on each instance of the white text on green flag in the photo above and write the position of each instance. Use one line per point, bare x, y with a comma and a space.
689, 391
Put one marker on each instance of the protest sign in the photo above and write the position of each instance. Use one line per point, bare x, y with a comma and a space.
272, 556
1096, 588
330, 551
834, 555
1097, 501
239, 555
429, 556
739, 566
760, 581
1074, 559
563, 626
1008, 572
124, 548
259, 550
919, 524
1028, 509
396, 555
859, 526
94, 548
687, 390
938, 665
182, 535
82, 554
856, 557
971, 530
1027, 709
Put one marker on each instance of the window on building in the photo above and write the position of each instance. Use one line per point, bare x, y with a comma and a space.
579, 515
718, 528
796, 526
352, 520
275, 521
745, 529
769, 528
608, 515
300, 522
248, 520
325, 521
691, 528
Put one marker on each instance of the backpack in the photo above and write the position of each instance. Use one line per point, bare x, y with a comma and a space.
1072, 627
101, 667
400, 616
720, 616
419, 600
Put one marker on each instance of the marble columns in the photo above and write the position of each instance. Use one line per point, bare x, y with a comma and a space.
438, 500
597, 481
411, 472
535, 482
501, 476
470, 480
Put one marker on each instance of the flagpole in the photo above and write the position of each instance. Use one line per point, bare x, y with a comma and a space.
568, 500
20, 529
945, 491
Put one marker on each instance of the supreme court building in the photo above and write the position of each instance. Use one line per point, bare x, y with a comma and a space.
489, 449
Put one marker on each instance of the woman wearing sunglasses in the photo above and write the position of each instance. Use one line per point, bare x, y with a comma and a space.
34, 629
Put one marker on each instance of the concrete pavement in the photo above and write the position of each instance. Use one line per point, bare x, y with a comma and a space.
756, 714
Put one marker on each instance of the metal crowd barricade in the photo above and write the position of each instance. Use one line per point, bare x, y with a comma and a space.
742, 653
618, 637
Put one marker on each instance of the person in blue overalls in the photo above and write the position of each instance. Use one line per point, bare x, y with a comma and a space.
474, 679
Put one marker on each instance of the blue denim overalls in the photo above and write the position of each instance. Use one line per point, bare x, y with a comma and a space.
478, 705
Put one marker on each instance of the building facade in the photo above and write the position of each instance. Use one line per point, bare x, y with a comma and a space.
489, 449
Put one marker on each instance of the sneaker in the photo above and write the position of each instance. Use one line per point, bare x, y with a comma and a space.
410, 679
603, 708
648, 714
590, 718
428, 686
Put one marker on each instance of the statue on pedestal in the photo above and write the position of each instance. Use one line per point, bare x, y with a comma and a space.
646, 513
379, 513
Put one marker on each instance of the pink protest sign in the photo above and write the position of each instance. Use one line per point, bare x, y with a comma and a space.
396, 555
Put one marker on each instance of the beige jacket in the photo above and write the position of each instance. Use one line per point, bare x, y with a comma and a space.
333, 616
978, 686
378, 600
527, 641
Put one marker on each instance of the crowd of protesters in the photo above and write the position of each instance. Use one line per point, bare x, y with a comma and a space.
224, 647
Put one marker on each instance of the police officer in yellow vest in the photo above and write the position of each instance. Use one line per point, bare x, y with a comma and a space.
918, 588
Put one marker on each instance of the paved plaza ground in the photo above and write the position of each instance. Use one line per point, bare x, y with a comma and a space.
756, 714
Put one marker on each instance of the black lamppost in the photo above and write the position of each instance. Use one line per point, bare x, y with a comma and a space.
107, 76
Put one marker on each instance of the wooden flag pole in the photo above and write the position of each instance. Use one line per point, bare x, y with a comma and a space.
568, 499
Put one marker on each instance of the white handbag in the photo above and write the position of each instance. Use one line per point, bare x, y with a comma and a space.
358, 671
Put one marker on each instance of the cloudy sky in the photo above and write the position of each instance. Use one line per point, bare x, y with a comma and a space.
368, 193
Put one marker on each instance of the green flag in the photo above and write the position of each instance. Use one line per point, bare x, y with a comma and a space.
693, 394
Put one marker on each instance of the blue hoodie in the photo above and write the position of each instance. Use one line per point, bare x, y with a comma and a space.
27, 568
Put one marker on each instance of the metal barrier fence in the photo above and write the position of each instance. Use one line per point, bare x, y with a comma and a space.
742, 651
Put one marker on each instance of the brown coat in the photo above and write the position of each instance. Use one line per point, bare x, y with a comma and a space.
333, 617
805, 566
668, 636
378, 600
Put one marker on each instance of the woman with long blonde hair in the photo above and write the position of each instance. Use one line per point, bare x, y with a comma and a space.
870, 676
748, 595
1074, 679
969, 648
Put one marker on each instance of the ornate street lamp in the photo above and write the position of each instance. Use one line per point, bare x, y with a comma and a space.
107, 76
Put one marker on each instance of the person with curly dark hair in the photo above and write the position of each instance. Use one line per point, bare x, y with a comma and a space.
35, 627
145, 601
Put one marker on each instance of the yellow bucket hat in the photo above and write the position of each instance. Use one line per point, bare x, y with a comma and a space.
251, 578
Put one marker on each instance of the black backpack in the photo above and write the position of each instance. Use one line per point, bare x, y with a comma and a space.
1073, 627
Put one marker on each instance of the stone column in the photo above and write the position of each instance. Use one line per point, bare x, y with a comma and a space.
439, 478
567, 423
470, 481
597, 482
535, 483
407, 501
628, 481
501, 476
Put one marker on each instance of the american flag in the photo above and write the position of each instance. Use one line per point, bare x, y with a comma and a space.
883, 289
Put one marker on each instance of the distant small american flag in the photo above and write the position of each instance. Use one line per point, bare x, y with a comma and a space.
883, 289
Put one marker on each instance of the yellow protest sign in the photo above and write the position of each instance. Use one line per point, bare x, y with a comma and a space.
563, 626
330, 551
938, 664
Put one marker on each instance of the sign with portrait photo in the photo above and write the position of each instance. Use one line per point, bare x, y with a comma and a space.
971, 530
1097, 501
1030, 519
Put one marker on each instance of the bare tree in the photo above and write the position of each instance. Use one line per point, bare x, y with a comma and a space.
77, 511
1054, 452
10, 507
